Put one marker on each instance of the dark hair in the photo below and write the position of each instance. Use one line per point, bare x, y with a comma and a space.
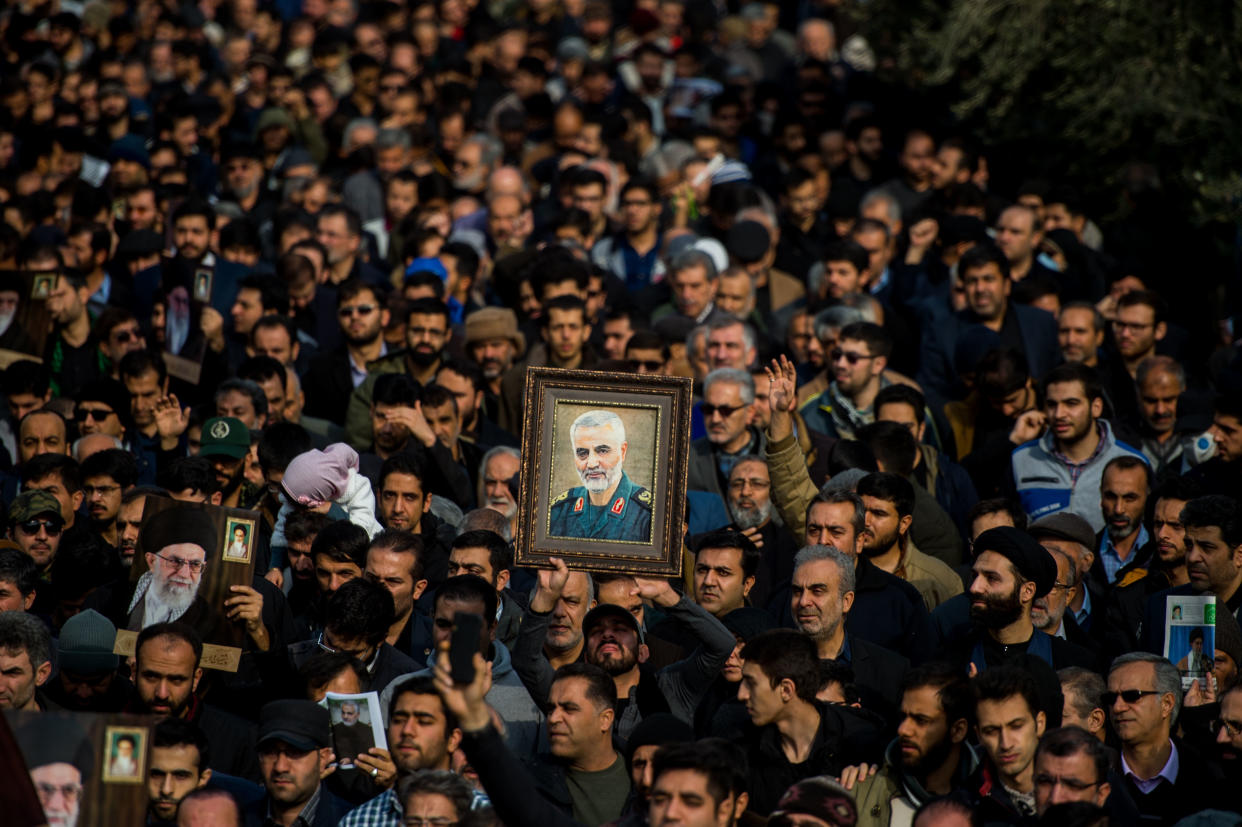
722, 763
435, 396
835, 671
991, 506
121, 466
1129, 462
1000, 372
353, 224
26, 376
18, 568
24, 632
428, 307
262, 368
83, 561
194, 206
499, 554
980, 256
952, 688
280, 443
360, 610
875, 337
353, 288
401, 464
138, 363
258, 399
304, 525
424, 278
1177, 488
999, 683
423, 685
294, 268
47, 465
859, 520
848, 250
893, 445
785, 654
467, 258
342, 542
400, 541
899, 393
601, 689
1215, 510
394, 389
178, 732
889, 487
850, 453
563, 303
1065, 741
189, 474
729, 538
176, 631
469, 370
272, 321
321, 667
1074, 372
468, 588
273, 293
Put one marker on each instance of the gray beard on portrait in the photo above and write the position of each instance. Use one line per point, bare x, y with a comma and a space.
160, 602
611, 477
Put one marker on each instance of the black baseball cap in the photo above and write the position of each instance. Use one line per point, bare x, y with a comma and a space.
604, 610
301, 724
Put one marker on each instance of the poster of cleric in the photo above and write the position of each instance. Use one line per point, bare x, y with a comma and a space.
188, 556
87, 770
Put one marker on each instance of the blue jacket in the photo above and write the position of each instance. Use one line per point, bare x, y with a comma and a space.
1045, 485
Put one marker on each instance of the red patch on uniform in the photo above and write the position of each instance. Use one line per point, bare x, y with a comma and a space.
577, 505
618, 506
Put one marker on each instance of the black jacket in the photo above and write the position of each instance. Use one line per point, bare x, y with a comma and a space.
844, 738
1199, 786
509, 783
328, 385
877, 675
329, 810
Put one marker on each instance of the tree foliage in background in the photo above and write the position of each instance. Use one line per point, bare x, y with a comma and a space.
1089, 84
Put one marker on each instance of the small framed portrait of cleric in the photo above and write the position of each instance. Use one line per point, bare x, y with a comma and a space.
239, 537
41, 287
125, 753
189, 556
604, 458
202, 285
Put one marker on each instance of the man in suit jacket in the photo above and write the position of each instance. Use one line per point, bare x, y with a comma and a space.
984, 272
333, 375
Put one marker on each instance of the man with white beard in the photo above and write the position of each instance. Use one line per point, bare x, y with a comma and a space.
608, 505
500, 465
58, 752
175, 543
750, 506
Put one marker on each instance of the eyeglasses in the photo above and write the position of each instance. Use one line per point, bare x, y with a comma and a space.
1234, 728
422, 332
353, 653
725, 411
194, 566
645, 364
849, 356
1065, 586
69, 792
361, 310
31, 527
1120, 325
93, 414
91, 490
1130, 696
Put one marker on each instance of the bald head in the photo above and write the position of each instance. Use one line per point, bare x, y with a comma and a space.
507, 180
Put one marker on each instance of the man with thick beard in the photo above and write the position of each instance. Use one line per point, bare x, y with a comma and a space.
608, 505
750, 506
1010, 570
930, 756
175, 543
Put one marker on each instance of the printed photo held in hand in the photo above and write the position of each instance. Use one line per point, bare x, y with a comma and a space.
357, 726
1190, 636
194, 564
603, 473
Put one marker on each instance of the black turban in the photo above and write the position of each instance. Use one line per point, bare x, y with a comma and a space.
1031, 559
180, 524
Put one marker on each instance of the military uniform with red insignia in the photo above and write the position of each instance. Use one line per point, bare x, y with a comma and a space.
626, 516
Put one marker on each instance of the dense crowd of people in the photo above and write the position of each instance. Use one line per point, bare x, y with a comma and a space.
963, 528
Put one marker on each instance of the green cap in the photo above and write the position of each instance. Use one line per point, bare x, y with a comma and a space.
31, 503
225, 436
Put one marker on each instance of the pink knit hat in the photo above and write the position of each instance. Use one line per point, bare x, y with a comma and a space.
318, 477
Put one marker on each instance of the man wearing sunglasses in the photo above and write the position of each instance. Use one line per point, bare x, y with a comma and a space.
856, 367
35, 525
1167, 779
99, 407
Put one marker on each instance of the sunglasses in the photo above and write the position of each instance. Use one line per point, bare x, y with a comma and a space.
645, 364
123, 336
725, 411
93, 414
31, 527
360, 310
850, 357
1130, 696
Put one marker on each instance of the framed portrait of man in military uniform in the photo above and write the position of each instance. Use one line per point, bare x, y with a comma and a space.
603, 479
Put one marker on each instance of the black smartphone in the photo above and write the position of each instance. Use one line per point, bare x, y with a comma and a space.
464, 643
